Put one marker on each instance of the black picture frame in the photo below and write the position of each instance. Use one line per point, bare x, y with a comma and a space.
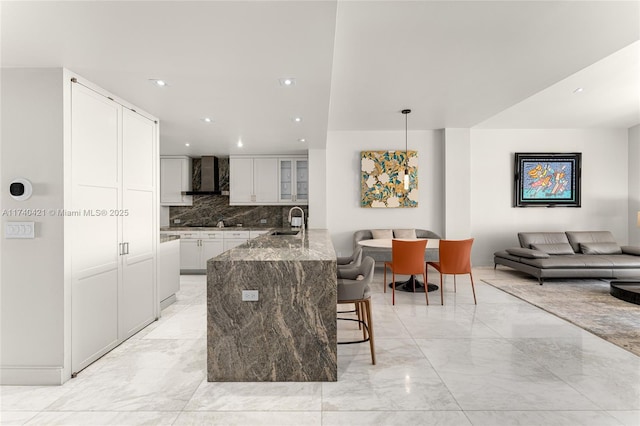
547, 179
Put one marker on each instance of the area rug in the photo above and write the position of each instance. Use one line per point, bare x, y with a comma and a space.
583, 302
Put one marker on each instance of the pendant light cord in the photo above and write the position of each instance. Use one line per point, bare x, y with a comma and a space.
406, 144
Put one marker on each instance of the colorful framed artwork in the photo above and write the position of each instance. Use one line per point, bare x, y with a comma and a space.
547, 179
382, 179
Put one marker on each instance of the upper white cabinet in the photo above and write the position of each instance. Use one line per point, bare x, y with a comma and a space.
294, 180
253, 180
175, 178
268, 180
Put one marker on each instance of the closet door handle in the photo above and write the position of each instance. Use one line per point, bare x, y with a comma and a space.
126, 248
120, 249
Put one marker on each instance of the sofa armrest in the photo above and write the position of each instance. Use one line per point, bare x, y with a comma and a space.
634, 250
528, 253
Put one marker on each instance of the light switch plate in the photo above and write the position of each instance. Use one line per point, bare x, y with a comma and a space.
19, 230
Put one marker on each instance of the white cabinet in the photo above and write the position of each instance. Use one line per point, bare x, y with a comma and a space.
196, 247
294, 180
113, 244
253, 180
168, 272
175, 178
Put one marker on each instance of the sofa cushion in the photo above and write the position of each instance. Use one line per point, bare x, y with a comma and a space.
382, 233
577, 237
528, 238
556, 248
528, 253
600, 248
409, 234
633, 250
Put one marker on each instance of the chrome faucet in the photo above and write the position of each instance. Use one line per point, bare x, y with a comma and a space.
291, 217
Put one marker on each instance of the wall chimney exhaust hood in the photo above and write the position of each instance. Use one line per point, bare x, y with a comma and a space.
209, 177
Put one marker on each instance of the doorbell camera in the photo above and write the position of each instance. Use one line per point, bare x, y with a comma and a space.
20, 189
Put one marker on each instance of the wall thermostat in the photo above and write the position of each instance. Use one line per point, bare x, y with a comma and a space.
20, 189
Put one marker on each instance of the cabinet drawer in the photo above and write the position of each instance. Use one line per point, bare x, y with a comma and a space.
212, 235
236, 234
189, 235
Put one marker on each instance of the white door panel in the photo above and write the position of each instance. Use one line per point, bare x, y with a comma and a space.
137, 302
137, 150
94, 317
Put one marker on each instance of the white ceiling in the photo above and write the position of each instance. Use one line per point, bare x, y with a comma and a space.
356, 64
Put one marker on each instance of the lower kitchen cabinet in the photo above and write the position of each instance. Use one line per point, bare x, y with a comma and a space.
197, 247
168, 272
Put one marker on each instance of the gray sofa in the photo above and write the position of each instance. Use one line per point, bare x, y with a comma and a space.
594, 254
384, 254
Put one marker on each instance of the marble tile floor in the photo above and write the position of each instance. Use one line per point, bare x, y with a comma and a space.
502, 362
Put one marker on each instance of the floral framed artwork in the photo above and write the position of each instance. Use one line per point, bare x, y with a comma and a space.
547, 179
382, 179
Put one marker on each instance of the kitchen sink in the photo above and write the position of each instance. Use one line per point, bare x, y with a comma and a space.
292, 232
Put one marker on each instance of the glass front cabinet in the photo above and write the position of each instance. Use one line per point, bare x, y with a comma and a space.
294, 180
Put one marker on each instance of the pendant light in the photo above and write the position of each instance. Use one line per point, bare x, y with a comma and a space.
406, 112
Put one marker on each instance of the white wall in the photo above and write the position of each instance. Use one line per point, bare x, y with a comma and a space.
344, 214
318, 188
457, 205
32, 281
634, 184
605, 185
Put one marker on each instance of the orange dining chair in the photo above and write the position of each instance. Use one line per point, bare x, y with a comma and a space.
407, 258
455, 259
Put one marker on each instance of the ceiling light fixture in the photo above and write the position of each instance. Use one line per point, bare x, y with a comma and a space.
406, 113
207, 120
578, 90
297, 119
240, 144
187, 144
287, 82
157, 82
302, 140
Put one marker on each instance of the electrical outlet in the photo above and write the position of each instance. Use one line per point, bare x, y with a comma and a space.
176, 221
249, 295
263, 221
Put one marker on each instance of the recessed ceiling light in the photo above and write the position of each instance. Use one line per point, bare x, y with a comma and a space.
578, 90
240, 143
157, 82
287, 81
207, 120
297, 119
302, 140
187, 144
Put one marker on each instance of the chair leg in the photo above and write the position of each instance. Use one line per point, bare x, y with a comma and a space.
363, 315
473, 288
384, 284
393, 287
426, 287
441, 290
367, 306
359, 314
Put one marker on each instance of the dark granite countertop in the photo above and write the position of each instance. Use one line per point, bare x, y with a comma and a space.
313, 244
214, 228
167, 238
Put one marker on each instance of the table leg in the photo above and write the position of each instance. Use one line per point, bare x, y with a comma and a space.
408, 286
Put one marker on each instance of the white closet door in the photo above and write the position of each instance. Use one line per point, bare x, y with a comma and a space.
94, 242
138, 298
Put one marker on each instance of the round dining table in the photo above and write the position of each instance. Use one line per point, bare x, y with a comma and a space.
431, 255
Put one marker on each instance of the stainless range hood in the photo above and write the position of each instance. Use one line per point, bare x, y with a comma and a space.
209, 177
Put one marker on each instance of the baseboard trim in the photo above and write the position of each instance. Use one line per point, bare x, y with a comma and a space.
168, 301
31, 376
